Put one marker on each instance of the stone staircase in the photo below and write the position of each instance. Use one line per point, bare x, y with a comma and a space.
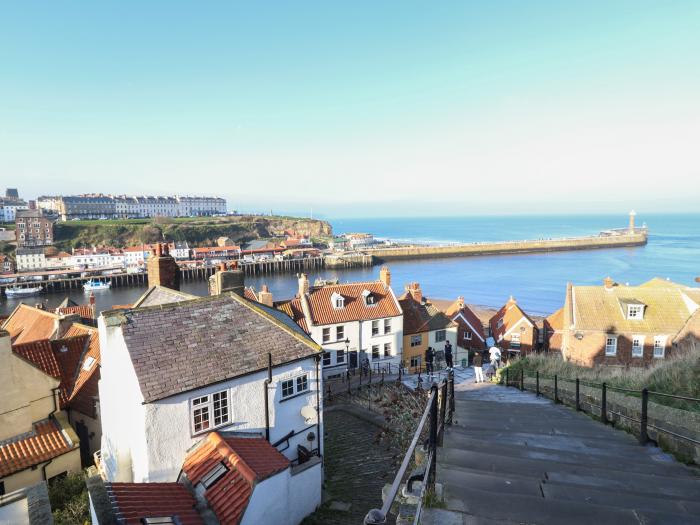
513, 458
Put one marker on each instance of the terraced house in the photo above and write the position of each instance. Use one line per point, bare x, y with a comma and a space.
513, 330
224, 401
616, 324
355, 323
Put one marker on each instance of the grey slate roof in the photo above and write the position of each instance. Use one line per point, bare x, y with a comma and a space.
186, 345
161, 295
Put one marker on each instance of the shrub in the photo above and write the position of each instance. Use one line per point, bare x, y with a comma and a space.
69, 500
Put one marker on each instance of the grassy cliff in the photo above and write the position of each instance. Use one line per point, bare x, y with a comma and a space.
198, 231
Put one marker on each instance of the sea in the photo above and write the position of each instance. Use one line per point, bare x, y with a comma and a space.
536, 281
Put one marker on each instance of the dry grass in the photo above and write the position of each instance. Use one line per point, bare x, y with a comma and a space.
677, 376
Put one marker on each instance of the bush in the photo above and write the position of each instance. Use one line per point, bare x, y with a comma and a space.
69, 500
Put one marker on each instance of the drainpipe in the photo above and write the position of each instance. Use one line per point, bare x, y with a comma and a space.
318, 401
267, 395
55, 409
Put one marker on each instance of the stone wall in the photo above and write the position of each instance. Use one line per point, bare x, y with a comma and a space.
624, 411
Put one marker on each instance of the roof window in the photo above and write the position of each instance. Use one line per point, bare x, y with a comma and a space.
370, 298
635, 311
214, 475
338, 301
160, 520
89, 361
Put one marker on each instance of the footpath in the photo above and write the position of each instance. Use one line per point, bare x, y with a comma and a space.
513, 458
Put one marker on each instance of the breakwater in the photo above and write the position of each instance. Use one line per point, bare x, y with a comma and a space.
593, 242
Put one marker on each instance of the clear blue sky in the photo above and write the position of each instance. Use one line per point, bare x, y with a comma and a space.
380, 108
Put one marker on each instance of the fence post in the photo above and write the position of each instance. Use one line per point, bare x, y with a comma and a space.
443, 409
604, 405
452, 396
537, 382
329, 392
507, 377
432, 440
643, 436
522, 379
578, 401
382, 377
370, 377
556, 389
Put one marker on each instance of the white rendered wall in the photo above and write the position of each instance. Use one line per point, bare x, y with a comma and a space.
168, 426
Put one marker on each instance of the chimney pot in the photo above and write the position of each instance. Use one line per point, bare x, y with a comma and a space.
608, 283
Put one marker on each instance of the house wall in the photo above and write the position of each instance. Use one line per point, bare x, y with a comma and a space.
590, 350
451, 336
93, 425
528, 338
68, 462
168, 426
123, 444
27, 392
360, 336
415, 351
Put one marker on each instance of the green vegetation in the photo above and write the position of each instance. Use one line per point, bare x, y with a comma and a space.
198, 231
69, 500
678, 376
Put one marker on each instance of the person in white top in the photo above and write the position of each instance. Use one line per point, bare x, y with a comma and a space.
495, 356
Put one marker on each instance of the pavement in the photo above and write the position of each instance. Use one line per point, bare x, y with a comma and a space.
511, 458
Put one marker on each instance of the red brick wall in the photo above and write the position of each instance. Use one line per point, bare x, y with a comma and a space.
590, 350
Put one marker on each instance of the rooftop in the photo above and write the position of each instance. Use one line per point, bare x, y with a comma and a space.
133, 501
355, 307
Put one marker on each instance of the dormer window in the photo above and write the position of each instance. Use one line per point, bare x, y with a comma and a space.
635, 311
370, 299
338, 301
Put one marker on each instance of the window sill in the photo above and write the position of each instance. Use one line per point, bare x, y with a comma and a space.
298, 469
298, 394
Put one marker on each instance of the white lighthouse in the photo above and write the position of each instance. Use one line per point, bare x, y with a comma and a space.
631, 226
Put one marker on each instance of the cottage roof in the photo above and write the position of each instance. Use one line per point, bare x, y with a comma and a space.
422, 317
463, 315
248, 460
668, 306
355, 307
555, 321
85, 311
85, 386
161, 295
182, 346
28, 324
47, 440
131, 502
511, 314
295, 311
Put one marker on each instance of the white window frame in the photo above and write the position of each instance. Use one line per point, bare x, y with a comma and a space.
640, 346
416, 340
327, 360
375, 351
326, 334
340, 357
415, 361
206, 407
468, 335
387, 350
339, 332
515, 341
295, 386
387, 326
610, 350
638, 310
440, 336
375, 328
659, 344
499, 323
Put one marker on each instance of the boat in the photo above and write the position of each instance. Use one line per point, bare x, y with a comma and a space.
96, 285
23, 292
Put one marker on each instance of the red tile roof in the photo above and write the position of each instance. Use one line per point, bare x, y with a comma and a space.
133, 501
555, 321
46, 441
355, 309
294, 310
472, 320
248, 460
28, 324
85, 311
84, 392
421, 317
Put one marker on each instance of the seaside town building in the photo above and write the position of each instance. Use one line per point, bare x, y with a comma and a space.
30, 259
424, 325
49, 422
470, 331
10, 204
99, 206
223, 408
33, 228
616, 324
6, 264
513, 330
30, 505
355, 323
553, 332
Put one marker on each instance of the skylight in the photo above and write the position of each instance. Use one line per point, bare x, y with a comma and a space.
214, 475
89, 361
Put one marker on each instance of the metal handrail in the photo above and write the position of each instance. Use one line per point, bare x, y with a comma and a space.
674, 396
394, 490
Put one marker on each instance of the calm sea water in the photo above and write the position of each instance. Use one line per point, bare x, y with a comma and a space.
537, 281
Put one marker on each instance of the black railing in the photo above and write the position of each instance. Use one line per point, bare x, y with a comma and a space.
438, 412
643, 394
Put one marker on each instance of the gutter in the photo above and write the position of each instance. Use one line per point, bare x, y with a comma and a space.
55, 409
266, 386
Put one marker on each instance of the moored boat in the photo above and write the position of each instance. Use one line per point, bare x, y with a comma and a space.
23, 292
92, 285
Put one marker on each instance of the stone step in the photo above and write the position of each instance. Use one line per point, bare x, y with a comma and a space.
464, 479
540, 425
467, 439
530, 463
535, 509
616, 499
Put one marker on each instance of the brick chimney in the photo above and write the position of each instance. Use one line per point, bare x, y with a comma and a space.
91, 300
162, 268
511, 301
385, 276
608, 283
227, 280
415, 291
265, 296
303, 284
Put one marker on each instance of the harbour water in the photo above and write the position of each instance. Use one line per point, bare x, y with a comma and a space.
537, 281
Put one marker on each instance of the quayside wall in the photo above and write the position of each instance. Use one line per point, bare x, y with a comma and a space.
510, 247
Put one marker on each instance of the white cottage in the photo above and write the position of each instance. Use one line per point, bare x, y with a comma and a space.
173, 373
352, 322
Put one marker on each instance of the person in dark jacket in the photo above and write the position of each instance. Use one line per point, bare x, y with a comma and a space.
478, 370
429, 358
448, 355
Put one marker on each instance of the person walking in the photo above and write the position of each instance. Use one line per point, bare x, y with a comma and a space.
448, 355
495, 357
429, 357
478, 370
